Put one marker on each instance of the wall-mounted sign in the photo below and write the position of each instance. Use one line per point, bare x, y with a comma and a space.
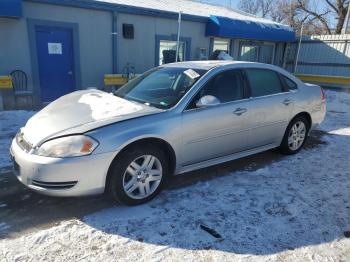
55, 48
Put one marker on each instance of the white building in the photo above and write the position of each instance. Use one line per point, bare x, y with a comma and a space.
65, 45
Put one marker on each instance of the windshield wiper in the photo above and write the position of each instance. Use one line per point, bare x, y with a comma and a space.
139, 101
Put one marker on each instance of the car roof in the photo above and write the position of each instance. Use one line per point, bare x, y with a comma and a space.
209, 64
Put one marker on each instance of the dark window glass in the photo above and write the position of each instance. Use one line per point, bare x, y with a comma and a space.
263, 82
291, 85
226, 86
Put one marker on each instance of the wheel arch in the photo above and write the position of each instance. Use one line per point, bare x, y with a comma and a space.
303, 114
154, 141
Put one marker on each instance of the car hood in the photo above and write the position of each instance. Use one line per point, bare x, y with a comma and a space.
79, 112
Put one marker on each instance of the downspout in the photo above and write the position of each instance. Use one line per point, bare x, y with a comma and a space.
178, 37
114, 42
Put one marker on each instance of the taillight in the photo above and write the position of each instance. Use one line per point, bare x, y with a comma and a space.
323, 95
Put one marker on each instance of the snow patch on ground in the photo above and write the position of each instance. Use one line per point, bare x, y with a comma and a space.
10, 123
338, 113
295, 209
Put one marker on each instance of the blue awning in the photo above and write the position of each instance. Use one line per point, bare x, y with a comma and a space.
233, 28
11, 8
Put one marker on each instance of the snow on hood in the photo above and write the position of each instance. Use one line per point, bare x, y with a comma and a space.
104, 105
77, 111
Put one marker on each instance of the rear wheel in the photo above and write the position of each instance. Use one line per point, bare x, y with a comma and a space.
138, 175
295, 136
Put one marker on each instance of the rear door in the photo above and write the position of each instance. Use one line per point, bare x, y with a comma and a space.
220, 130
271, 106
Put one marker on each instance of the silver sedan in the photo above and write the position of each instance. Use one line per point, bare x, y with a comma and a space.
173, 119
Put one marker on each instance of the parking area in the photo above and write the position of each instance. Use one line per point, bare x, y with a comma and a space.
266, 207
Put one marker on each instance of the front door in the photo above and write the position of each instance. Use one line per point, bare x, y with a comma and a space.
220, 130
55, 60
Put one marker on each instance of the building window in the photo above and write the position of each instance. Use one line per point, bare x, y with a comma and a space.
256, 52
221, 44
266, 53
248, 52
167, 51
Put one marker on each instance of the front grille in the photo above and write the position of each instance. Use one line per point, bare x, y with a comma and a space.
23, 143
54, 185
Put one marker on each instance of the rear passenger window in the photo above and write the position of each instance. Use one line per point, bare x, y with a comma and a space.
291, 85
263, 82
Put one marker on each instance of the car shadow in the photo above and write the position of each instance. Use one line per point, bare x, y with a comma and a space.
249, 208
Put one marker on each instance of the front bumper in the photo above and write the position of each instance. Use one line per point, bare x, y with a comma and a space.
75, 176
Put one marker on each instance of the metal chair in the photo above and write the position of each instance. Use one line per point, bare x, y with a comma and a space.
20, 86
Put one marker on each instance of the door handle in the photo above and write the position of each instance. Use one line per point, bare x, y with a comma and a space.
287, 102
239, 111
70, 73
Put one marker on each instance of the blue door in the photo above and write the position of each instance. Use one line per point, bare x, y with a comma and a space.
55, 60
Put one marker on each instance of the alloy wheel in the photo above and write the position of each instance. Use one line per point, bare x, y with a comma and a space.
142, 177
296, 135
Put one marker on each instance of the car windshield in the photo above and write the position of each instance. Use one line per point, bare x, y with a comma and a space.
161, 87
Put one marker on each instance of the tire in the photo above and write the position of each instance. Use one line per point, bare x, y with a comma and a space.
286, 146
129, 175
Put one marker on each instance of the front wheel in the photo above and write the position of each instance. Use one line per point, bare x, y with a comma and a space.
138, 175
295, 136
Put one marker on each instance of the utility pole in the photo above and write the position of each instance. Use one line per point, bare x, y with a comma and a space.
299, 46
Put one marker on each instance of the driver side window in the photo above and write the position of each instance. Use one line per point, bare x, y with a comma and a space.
226, 86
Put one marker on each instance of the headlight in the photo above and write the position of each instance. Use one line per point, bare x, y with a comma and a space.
69, 146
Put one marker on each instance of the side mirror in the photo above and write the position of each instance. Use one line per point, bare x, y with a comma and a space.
206, 101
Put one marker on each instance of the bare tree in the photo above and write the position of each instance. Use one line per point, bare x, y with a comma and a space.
282, 11
292, 12
340, 7
337, 8
311, 10
260, 8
